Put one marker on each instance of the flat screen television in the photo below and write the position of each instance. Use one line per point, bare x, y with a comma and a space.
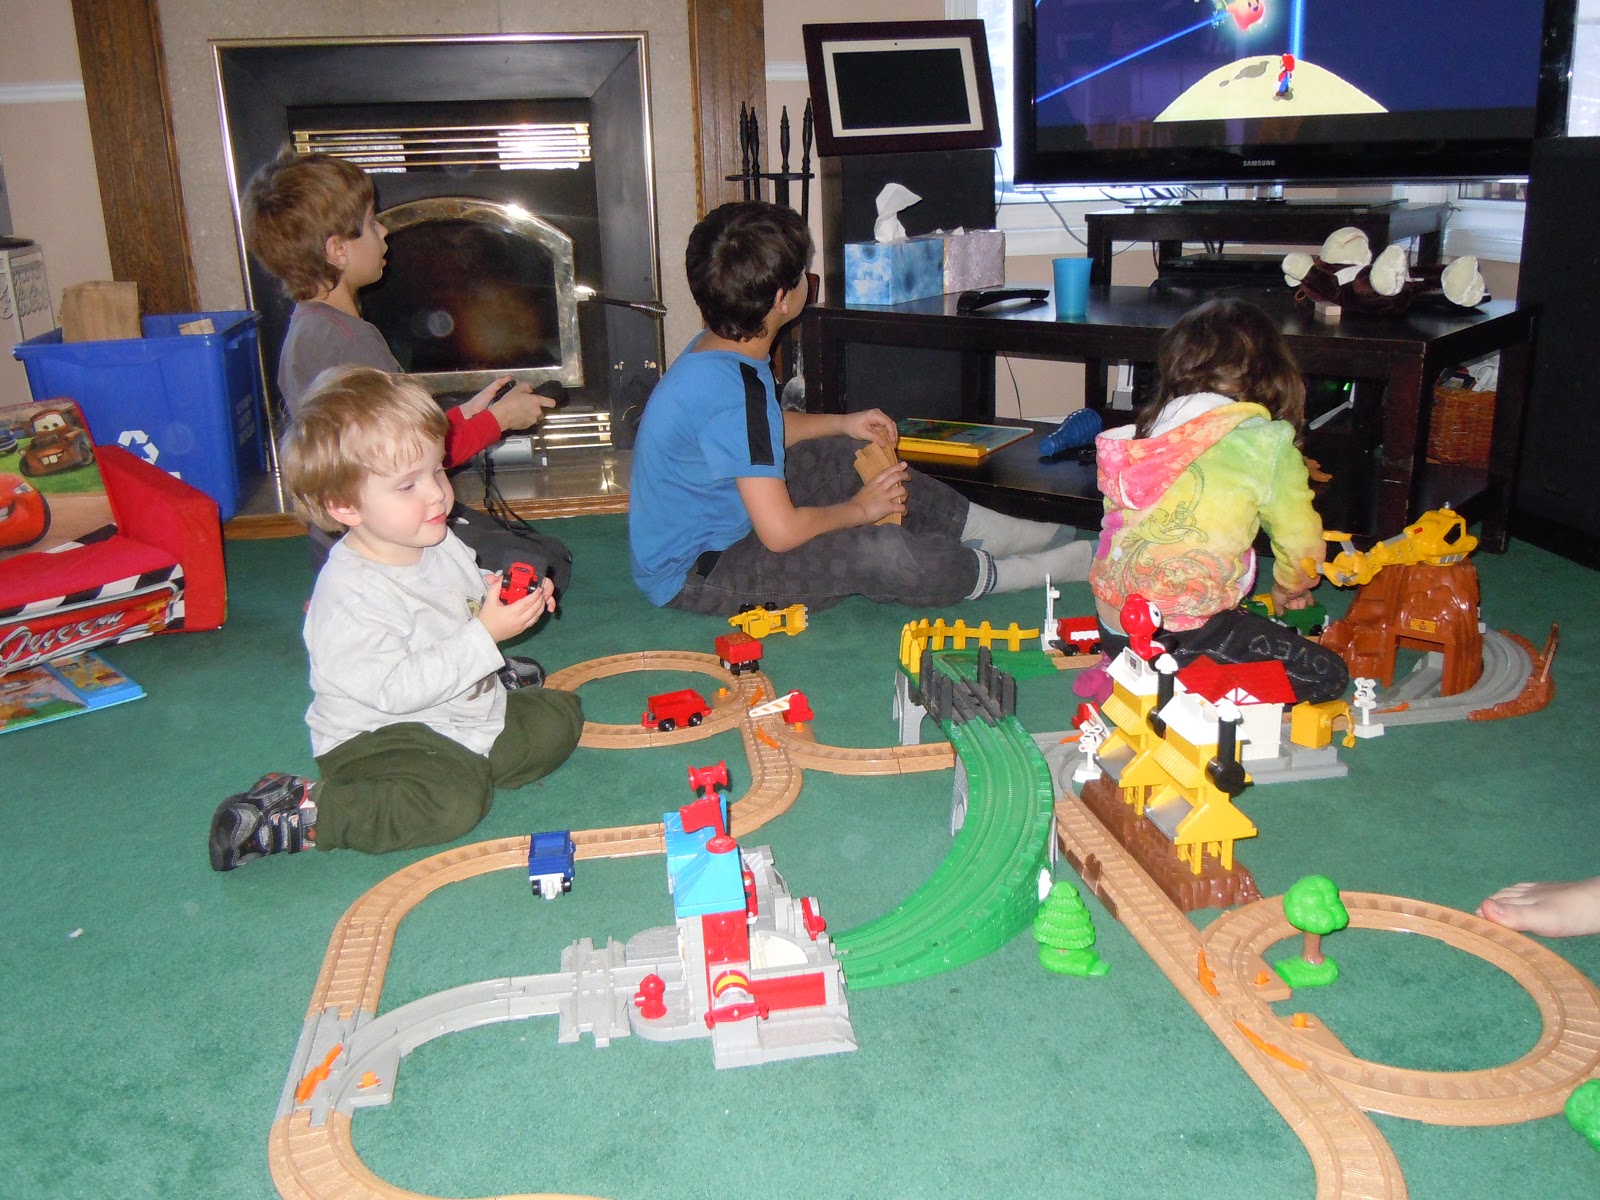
1286, 91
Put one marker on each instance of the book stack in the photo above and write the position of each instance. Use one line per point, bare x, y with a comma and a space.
66, 687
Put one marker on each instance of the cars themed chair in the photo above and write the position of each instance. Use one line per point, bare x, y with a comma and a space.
156, 567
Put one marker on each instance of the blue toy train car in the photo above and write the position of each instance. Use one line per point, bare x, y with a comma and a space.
550, 859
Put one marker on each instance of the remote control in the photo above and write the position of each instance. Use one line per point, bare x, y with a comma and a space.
969, 302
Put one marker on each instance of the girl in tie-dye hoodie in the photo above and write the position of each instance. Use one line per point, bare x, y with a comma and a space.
1211, 461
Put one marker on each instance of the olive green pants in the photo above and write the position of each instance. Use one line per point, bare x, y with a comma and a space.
405, 786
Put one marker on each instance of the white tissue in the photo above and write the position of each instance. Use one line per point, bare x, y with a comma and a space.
892, 200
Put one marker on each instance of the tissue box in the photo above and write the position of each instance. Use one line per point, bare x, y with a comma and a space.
893, 272
974, 259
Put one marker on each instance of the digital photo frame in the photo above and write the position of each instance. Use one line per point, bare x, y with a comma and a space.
886, 87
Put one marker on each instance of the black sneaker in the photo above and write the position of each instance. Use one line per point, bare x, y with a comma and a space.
521, 673
268, 819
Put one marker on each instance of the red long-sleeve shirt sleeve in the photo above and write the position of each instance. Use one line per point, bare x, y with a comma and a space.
468, 435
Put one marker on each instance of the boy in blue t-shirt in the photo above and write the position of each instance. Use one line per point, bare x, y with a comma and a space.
735, 501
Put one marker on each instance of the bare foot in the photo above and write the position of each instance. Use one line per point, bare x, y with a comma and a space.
1548, 909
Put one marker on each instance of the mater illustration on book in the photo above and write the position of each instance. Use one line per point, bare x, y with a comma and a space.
66, 687
954, 441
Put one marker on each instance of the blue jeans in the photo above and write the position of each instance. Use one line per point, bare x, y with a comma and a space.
919, 562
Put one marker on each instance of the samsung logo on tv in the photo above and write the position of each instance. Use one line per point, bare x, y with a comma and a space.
1260, 162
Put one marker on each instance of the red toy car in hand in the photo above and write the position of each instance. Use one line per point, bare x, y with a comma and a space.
518, 581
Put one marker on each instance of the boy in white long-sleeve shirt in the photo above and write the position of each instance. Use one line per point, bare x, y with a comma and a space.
410, 724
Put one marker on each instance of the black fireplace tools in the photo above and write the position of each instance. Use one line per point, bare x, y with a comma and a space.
752, 178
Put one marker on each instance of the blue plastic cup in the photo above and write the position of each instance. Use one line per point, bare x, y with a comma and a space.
1072, 286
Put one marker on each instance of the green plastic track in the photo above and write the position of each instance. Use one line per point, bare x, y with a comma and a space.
985, 891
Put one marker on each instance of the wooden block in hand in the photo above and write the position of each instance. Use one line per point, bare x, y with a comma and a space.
100, 311
871, 460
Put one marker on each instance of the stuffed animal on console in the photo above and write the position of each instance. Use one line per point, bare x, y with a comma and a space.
1344, 272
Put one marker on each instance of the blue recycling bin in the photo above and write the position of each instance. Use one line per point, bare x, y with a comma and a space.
192, 404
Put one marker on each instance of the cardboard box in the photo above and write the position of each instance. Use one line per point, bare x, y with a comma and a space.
102, 310
24, 292
930, 265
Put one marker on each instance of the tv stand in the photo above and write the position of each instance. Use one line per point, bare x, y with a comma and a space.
1259, 222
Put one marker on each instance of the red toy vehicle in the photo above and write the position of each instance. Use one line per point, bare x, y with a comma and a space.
671, 709
1078, 635
739, 652
519, 579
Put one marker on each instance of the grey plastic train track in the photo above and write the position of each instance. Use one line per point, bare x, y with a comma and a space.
1507, 667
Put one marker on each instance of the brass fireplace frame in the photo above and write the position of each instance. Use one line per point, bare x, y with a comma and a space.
122, 54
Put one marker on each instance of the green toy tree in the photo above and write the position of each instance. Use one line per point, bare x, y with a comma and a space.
1065, 933
1313, 907
1583, 1111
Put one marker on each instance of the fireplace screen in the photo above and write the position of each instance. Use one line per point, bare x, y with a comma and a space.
515, 177
474, 289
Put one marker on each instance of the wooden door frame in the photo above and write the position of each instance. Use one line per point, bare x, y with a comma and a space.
130, 123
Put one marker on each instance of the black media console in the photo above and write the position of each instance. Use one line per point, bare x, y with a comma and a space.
1377, 451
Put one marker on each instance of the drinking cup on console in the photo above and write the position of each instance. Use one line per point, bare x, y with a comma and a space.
1072, 285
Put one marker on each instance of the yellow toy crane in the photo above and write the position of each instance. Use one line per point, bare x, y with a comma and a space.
759, 621
1438, 537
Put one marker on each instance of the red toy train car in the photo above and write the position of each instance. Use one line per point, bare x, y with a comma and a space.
739, 652
1078, 635
669, 710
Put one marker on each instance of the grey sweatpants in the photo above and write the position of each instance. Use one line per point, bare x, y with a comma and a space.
918, 562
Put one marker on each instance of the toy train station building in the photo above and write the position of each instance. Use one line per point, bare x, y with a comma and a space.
752, 967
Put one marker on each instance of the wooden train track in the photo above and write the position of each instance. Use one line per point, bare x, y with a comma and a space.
1323, 1091
1536, 1085
318, 1161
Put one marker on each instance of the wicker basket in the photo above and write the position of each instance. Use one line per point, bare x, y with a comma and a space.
1461, 427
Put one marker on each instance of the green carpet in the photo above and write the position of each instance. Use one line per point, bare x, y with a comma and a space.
144, 1055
